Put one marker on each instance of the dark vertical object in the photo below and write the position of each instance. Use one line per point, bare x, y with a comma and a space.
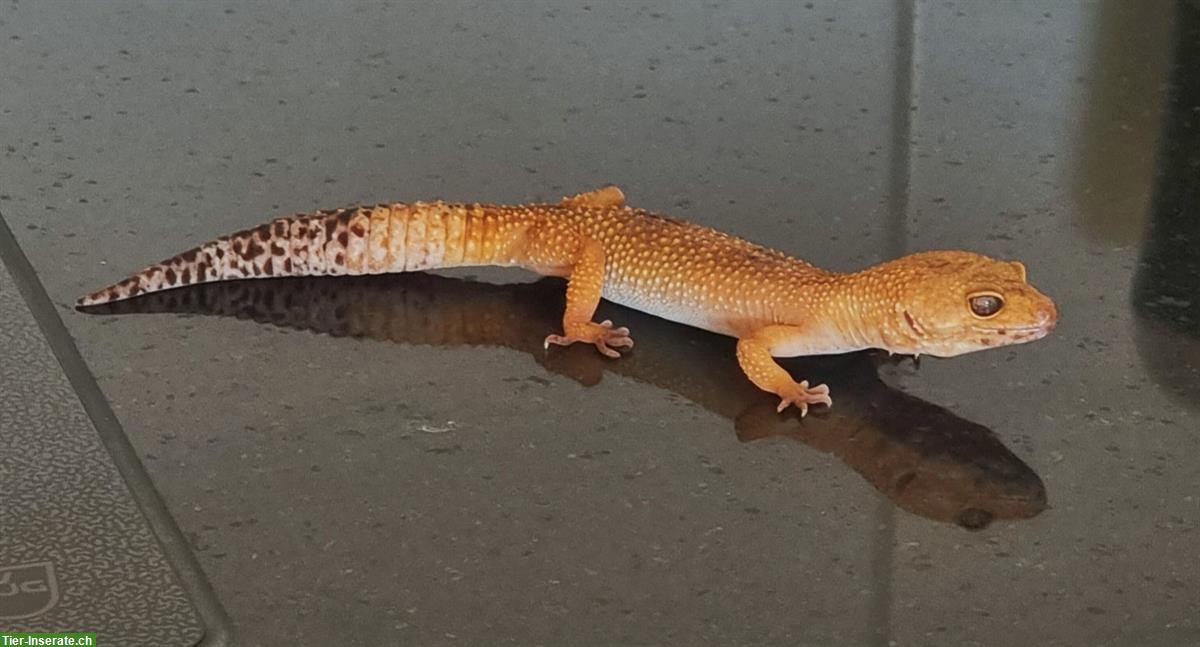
1166, 285
899, 183
900, 149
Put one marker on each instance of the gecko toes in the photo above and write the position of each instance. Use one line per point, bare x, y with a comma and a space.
606, 351
602, 335
802, 395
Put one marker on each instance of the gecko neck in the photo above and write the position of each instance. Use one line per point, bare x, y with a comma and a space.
876, 310
848, 312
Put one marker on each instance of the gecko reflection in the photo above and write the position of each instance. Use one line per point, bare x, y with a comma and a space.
924, 458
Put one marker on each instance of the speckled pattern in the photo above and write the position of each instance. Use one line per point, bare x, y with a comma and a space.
775, 304
319, 479
65, 503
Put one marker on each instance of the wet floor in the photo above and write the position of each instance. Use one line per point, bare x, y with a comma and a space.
398, 454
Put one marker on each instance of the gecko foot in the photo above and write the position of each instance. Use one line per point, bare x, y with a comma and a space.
802, 396
605, 338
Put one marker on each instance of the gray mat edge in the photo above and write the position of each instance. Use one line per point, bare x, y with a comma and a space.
217, 632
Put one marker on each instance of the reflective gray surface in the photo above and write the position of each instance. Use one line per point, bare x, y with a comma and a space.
438, 492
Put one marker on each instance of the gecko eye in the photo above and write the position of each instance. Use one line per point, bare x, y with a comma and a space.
986, 305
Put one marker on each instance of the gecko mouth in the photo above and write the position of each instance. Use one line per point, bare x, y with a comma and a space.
1016, 330
1016, 334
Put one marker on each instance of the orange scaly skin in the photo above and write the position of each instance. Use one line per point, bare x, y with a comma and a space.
776, 305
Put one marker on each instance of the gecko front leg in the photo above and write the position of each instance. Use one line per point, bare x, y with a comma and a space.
754, 353
584, 286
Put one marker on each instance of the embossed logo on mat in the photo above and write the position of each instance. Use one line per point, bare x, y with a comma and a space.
27, 590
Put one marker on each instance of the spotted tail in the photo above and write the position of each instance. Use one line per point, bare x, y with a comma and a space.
355, 240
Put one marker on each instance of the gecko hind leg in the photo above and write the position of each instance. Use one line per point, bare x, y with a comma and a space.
583, 295
605, 197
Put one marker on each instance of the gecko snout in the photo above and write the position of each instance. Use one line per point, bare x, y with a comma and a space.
1047, 316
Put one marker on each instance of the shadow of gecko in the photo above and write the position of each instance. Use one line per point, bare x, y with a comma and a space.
924, 458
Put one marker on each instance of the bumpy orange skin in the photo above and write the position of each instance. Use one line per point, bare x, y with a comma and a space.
776, 305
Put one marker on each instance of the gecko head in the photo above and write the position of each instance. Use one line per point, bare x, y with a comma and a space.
947, 303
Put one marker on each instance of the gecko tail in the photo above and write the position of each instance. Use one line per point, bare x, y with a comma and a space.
378, 239
305, 245
246, 254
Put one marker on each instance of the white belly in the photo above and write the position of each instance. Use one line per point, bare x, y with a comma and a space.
691, 313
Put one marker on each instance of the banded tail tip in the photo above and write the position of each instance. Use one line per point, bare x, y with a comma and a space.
93, 299
130, 287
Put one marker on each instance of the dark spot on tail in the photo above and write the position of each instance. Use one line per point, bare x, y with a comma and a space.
343, 218
287, 265
170, 274
219, 253
343, 238
187, 275
281, 227
276, 250
253, 249
331, 224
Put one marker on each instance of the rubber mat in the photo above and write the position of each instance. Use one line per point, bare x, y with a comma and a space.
85, 545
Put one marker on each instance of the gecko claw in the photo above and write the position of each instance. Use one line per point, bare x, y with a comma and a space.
802, 396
